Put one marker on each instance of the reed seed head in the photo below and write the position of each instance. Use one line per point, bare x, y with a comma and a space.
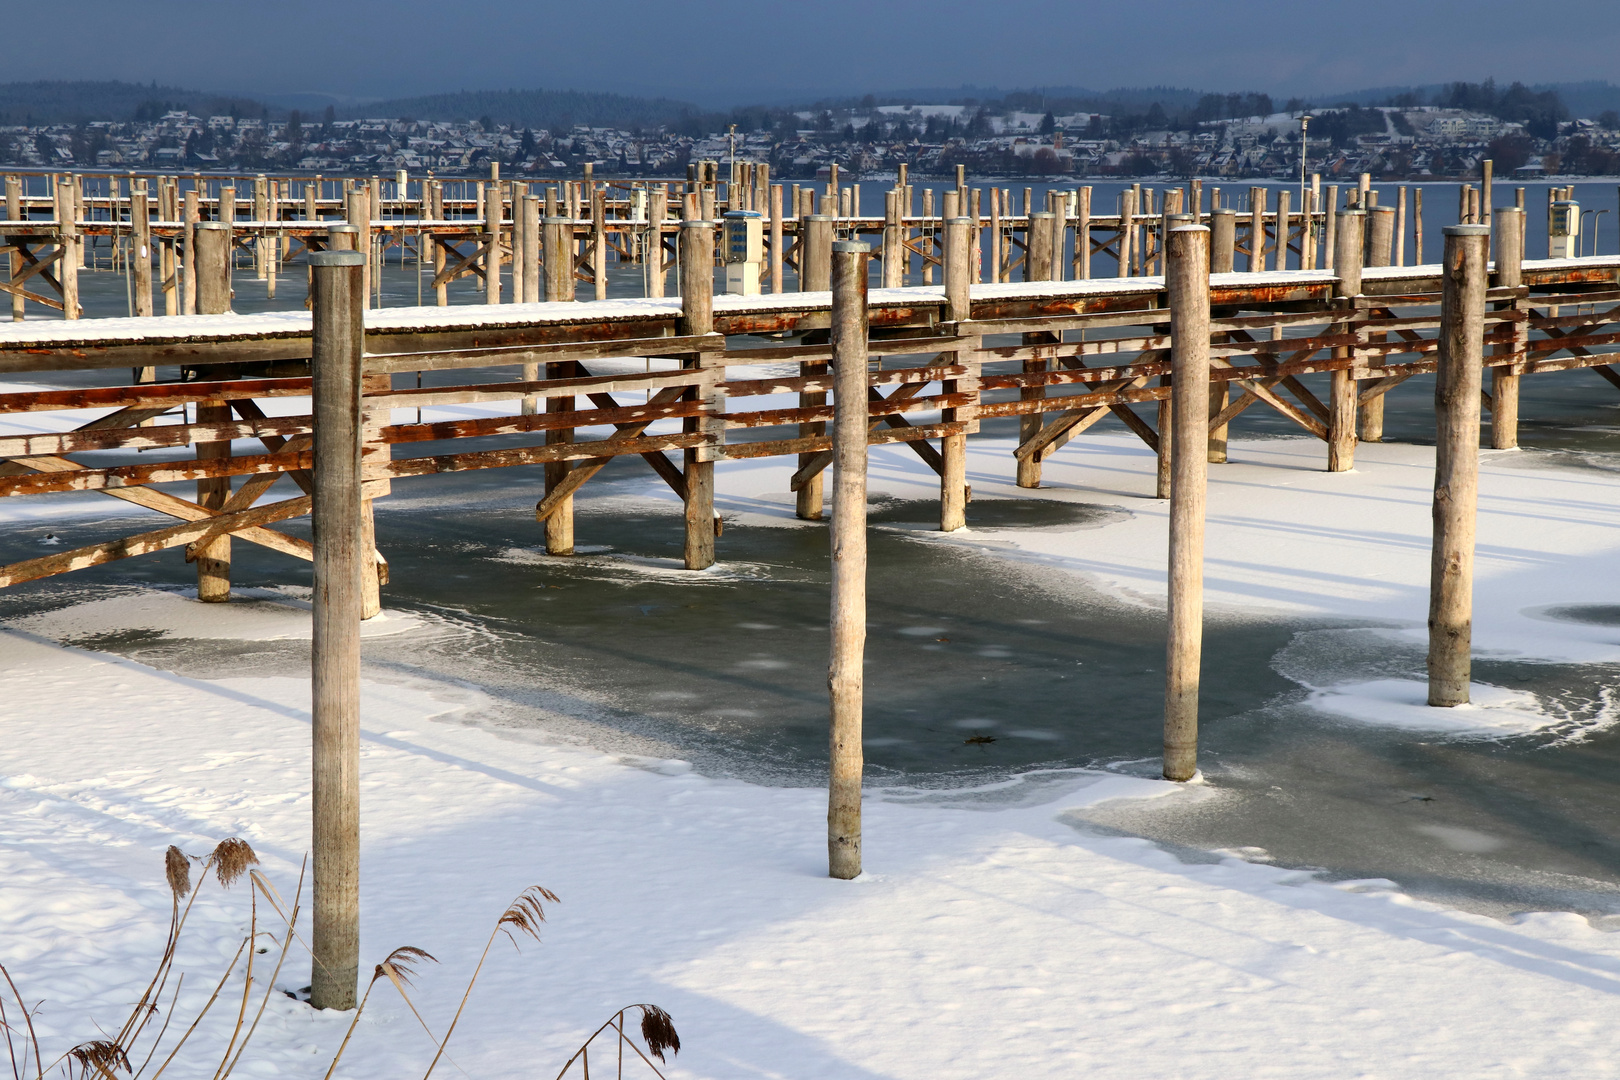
178, 870
100, 1058
400, 966
231, 859
526, 913
658, 1030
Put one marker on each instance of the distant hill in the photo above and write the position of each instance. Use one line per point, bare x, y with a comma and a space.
551, 109
76, 102
1583, 99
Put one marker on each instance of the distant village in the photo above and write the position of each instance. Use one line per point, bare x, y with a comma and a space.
867, 141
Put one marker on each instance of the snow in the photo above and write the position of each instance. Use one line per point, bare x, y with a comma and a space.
990, 936
284, 324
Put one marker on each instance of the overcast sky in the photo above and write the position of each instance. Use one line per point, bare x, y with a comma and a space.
722, 52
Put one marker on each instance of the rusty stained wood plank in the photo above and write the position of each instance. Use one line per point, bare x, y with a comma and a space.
418, 397
151, 394
149, 438
512, 355
507, 425
811, 444
531, 455
881, 407
795, 384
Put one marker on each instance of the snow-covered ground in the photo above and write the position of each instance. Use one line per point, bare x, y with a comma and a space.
989, 936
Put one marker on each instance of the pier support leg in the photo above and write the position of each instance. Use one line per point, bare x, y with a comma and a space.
1342, 386
1456, 461
845, 677
560, 525
1507, 225
1187, 282
214, 557
1219, 398
697, 317
953, 490
338, 298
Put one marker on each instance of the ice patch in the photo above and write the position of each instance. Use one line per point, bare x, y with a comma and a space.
1403, 703
252, 615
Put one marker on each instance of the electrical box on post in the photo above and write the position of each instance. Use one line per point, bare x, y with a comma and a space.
744, 238
1564, 230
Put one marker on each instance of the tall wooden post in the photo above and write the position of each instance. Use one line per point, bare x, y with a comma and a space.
1377, 250
531, 249
213, 298
1258, 247
1038, 262
140, 224
211, 251
815, 275
261, 214
337, 304
599, 242
697, 317
1127, 220
18, 263
953, 448
1187, 284
190, 215
1082, 235
893, 270
357, 206
1342, 388
67, 267
491, 212
845, 678
1507, 225
558, 258
1280, 260
1222, 240
777, 235
1380, 244
1463, 277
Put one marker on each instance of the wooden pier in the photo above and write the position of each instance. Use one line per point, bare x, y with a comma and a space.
686, 382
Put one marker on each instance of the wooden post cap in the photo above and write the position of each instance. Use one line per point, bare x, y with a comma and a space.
851, 247
1466, 230
337, 258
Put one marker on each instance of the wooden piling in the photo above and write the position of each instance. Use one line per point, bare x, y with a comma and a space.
958, 308
70, 245
1280, 260
1082, 236
140, 227
1380, 242
491, 213
779, 241
18, 263
815, 275
1222, 240
697, 317
1038, 262
1257, 229
211, 250
893, 272
335, 650
558, 258
1127, 219
845, 678
531, 249
1330, 238
1507, 229
1187, 286
1463, 276
1342, 389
